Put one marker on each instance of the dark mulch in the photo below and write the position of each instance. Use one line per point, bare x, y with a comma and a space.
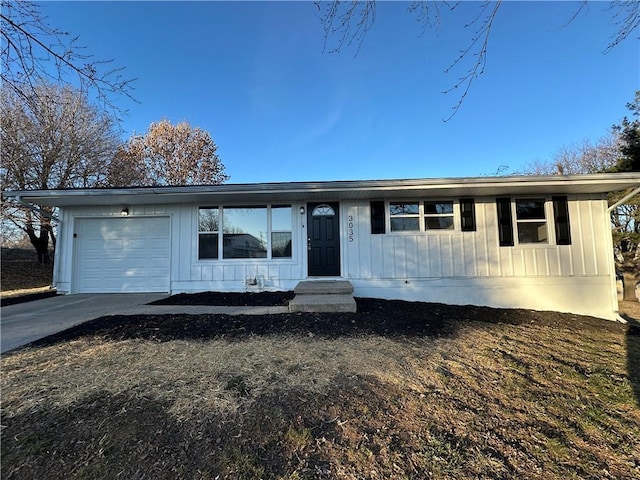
230, 299
374, 317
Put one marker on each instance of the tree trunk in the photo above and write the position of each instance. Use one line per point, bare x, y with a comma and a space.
629, 280
41, 244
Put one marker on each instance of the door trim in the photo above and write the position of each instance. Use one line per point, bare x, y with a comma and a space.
329, 250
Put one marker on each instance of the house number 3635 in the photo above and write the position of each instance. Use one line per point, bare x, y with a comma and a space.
350, 228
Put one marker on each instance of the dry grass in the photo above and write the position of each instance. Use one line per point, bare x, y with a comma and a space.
484, 401
631, 310
21, 274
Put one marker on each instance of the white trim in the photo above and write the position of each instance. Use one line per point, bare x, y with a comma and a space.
338, 190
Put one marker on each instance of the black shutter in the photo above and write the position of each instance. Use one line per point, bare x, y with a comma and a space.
468, 214
561, 220
505, 222
377, 217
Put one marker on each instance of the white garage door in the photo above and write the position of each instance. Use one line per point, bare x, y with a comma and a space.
116, 255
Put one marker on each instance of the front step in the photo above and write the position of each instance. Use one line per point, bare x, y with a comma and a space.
323, 296
323, 287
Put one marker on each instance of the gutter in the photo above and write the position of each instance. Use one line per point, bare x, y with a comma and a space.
38, 210
612, 263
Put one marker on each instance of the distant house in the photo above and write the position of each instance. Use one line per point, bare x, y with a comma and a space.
529, 242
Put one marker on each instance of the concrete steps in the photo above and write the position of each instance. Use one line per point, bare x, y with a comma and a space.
323, 296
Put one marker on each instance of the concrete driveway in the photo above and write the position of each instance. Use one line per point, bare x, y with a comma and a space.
29, 321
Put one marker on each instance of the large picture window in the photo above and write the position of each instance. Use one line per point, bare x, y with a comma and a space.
244, 232
259, 231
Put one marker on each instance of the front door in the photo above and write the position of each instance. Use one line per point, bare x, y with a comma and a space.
323, 242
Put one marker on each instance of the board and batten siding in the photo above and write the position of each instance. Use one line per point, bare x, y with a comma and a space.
472, 268
231, 275
449, 267
187, 273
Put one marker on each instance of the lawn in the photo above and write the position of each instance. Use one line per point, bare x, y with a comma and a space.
21, 274
396, 391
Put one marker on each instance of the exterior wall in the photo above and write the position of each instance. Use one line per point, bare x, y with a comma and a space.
449, 267
471, 268
188, 274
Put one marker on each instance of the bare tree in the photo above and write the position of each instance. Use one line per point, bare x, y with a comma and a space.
53, 139
587, 156
604, 155
625, 221
346, 24
33, 53
168, 155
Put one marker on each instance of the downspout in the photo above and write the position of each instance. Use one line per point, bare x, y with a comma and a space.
612, 263
56, 264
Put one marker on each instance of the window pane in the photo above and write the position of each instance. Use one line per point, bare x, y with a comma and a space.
208, 219
208, 245
281, 245
323, 209
402, 224
530, 209
281, 218
532, 232
438, 207
439, 223
403, 208
244, 232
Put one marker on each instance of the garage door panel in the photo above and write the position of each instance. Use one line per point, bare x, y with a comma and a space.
123, 255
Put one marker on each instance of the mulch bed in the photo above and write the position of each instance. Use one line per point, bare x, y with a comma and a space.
374, 317
228, 299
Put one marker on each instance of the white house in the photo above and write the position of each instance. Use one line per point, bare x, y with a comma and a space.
529, 242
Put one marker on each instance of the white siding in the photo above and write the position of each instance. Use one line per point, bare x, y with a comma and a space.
471, 267
453, 267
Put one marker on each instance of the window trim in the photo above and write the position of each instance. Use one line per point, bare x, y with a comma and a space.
422, 215
208, 232
548, 219
269, 257
417, 215
426, 215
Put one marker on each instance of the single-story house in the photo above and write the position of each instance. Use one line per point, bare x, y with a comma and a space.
522, 241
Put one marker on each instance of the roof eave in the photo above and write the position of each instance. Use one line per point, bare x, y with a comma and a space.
336, 190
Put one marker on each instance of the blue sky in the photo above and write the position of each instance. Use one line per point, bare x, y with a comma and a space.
255, 76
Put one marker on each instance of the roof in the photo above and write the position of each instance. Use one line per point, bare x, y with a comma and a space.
335, 190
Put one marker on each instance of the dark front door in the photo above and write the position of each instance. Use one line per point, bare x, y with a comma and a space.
323, 242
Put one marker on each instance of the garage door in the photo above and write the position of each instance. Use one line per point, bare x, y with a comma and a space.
116, 255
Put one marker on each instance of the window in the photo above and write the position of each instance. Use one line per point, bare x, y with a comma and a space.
438, 215
423, 216
404, 216
208, 228
323, 210
281, 231
260, 231
531, 221
244, 232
